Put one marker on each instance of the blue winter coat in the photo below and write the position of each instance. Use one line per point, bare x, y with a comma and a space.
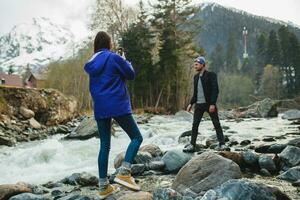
107, 73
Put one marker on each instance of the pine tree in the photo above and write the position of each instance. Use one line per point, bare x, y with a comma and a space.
294, 52
231, 54
261, 51
273, 50
217, 59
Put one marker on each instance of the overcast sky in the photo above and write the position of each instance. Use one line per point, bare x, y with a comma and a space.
74, 13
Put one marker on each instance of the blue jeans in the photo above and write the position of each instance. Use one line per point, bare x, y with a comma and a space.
128, 124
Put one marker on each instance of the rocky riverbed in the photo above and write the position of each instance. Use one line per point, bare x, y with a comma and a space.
265, 153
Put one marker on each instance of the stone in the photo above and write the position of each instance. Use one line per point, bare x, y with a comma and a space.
265, 172
290, 156
207, 170
175, 159
86, 130
26, 113
7, 141
245, 142
155, 165
250, 158
263, 148
296, 183
276, 148
292, 114
291, 175
166, 194
9, 190
246, 190
34, 124
28, 196
234, 156
140, 158
137, 169
83, 179
294, 142
153, 149
266, 162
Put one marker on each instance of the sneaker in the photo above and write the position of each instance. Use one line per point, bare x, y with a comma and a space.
108, 191
124, 178
189, 148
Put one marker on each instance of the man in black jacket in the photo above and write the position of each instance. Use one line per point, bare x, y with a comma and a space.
205, 96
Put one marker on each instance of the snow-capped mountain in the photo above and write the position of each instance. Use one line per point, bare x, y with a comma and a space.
36, 44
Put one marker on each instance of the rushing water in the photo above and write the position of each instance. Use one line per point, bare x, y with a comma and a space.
53, 159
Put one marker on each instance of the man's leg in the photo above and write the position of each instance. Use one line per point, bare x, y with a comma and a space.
216, 122
198, 113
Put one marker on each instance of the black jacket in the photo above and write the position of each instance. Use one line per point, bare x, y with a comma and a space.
210, 87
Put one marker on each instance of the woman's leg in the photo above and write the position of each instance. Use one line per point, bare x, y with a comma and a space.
128, 124
104, 130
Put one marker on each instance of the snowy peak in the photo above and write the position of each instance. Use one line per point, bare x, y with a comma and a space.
35, 44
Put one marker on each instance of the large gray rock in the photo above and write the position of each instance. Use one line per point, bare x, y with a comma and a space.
244, 190
83, 179
86, 130
250, 158
291, 114
28, 196
9, 190
294, 142
291, 175
175, 159
26, 113
290, 156
204, 172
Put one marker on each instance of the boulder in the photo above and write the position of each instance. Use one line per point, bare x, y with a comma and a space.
250, 158
83, 179
9, 190
290, 156
153, 149
34, 124
86, 130
291, 175
28, 196
26, 113
234, 156
207, 170
292, 114
175, 159
245, 190
266, 162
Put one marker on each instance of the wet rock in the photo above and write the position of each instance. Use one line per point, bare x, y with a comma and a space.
266, 162
294, 142
137, 169
290, 156
140, 158
86, 130
175, 159
213, 139
268, 139
263, 148
296, 183
34, 124
137, 196
62, 129
8, 141
265, 172
83, 179
154, 150
246, 190
166, 194
155, 165
250, 158
75, 197
291, 175
208, 171
234, 156
245, 142
28, 196
291, 114
26, 113
9, 190
276, 148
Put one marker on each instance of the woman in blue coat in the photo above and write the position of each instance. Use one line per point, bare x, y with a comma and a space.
108, 72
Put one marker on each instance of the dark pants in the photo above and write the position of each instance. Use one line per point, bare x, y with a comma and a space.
128, 124
198, 113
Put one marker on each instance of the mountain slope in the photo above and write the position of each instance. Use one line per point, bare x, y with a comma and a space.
36, 44
218, 21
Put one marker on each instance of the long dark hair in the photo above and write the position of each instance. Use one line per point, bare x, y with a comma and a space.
102, 41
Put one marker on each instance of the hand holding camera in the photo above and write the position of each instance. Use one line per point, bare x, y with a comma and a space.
121, 52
